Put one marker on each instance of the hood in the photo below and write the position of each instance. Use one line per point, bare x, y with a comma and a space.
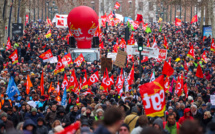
186, 110
28, 122
159, 122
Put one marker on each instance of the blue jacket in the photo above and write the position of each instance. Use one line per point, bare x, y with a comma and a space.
102, 130
34, 118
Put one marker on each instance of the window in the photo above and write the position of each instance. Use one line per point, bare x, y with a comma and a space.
150, 6
93, 5
140, 7
130, 4
120, 8
102, 7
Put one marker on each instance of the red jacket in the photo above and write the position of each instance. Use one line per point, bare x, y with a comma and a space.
183, 118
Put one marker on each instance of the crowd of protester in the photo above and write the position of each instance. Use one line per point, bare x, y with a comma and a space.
106, 113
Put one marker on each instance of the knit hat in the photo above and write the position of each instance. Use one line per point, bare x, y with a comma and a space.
3, 114
33, 110
190, 98
58, 128
99, 110
170, 108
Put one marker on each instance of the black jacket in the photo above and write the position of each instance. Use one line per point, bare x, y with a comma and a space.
42, 129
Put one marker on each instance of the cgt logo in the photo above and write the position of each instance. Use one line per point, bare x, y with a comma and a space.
92, 29
14, 57
155, 101
76, 32
94, 78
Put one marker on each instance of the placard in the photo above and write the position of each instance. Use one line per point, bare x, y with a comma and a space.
120, 59
212, 99
106, 63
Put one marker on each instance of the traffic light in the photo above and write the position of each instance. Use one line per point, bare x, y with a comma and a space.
140, 44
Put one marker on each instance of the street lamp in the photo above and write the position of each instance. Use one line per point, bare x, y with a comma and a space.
47, 4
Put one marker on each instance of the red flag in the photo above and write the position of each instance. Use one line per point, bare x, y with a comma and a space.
42, 84
191, 53
177, 22
148, 44
199, 72
145, 59
204, 39
93, 78
79, 60
204, 57
29, 45
185, 90
166, 84
119, 83
139, 18
60, 67
85, 84
212, 45
50, 88
185, 65
117, 5
131, 41
46, 55
153, 95
130, 57
109, 82
101, 45
154, 43
14, 57
65, 82
167, 69
28, 85
103, 84
71, 129
8, 46
179, 85
67, 59
122, 43
131, 76
73, 81
58, 89
44, 46
165, 43
194, 19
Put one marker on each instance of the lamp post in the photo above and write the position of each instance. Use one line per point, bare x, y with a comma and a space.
34, 10
29, 11
18, 12
11, 7
47, 4
38, 10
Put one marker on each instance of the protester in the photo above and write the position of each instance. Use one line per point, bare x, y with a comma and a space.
44, 107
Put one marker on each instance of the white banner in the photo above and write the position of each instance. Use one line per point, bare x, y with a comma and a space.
60, 20
212, 99
147, 51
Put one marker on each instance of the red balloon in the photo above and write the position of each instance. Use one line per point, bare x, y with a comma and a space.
82, 22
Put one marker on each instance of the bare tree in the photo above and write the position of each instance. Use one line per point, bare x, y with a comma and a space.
211, 9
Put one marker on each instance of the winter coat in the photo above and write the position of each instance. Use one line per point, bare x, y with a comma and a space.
42, 129
50, 117
63, 119
26, 123
102, 130
33, 117
89, 118
183, 118
132, 123
172, 129
159, 122
204, 123
72, 116
9, 125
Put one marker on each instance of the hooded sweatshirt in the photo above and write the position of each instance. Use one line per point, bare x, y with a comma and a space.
159, 122
183, 118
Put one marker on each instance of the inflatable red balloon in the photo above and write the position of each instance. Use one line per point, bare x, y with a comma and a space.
82, 22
